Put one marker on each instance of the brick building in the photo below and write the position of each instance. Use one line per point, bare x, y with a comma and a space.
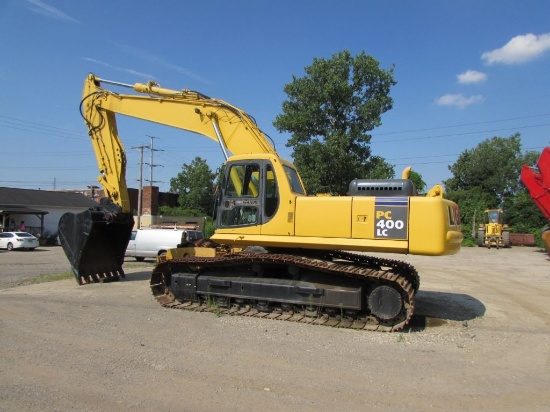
151, 198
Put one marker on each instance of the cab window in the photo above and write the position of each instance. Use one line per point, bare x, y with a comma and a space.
294, 180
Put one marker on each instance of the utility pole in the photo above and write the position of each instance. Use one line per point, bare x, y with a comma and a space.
92, 190
152, 165
140, 148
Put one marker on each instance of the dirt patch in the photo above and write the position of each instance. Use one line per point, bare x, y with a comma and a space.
480, 341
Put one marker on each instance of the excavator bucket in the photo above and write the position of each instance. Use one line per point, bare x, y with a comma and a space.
95, 242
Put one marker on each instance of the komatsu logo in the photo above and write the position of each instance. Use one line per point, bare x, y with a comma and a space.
391, 218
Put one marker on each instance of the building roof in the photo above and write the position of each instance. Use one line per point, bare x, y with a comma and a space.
11, 197
6, 210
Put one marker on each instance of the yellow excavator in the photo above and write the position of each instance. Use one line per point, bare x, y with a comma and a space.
276, 253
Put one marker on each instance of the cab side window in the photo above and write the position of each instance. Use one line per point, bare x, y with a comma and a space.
271, 201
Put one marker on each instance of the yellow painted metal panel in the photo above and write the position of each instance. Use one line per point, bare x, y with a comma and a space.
323, 216
434, 227
186, 252
320, 243
362, 222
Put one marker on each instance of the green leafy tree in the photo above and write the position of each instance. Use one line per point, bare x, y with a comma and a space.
419, 183
484, 177
493, 166
330, 112
195, 186
488, 176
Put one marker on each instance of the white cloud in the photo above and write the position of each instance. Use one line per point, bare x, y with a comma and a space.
520, 49
471, 76
49, 11
120, 69
458, 100
160, 61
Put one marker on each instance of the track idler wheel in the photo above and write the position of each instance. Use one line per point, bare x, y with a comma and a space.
385, 302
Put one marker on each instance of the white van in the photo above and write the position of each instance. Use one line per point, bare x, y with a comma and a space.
150, 243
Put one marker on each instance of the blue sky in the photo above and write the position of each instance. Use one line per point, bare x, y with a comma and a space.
466, 71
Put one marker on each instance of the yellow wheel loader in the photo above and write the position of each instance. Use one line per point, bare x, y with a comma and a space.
493, 232
277, 253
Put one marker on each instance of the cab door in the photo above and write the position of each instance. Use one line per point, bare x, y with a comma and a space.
249, 196
240, 204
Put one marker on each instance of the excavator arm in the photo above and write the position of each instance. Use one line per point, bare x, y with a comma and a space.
95, 240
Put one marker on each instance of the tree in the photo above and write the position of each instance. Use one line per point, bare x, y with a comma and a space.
419, 183
488, 177
493, 166
195, 186
330, 112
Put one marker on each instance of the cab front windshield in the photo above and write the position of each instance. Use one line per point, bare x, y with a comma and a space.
493, 216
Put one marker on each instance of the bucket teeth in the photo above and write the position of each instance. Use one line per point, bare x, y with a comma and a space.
101, 277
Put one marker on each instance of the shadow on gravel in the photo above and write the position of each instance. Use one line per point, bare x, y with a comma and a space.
544, 252
37, 250
145, 274
436, 308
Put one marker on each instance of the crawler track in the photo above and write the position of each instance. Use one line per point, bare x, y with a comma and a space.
369, 271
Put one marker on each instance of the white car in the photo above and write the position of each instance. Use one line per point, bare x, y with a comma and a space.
150, 243
18, 240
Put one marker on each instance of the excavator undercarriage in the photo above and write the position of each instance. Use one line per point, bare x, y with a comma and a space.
337, 289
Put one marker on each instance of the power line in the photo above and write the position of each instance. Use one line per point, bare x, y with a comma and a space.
460, 134
29, 126
26, 123
464, 124
455, 154
44, 129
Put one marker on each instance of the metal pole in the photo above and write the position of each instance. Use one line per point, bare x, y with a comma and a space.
138, 222
140, 187
151, 165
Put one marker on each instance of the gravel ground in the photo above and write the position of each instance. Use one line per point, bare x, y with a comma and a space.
105, 347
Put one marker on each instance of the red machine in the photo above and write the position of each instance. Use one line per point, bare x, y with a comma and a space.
539, 188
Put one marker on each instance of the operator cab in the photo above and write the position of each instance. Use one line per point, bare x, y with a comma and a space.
493, 216
250, 192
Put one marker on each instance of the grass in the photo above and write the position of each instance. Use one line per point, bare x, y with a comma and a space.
47, 278
144, 264
70, 275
